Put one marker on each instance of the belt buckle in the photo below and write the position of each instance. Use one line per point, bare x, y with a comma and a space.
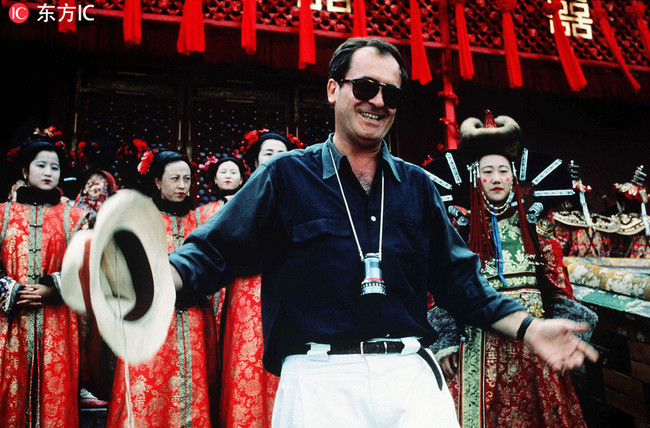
364, 342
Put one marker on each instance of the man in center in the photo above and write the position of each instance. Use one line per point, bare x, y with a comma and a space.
350, 240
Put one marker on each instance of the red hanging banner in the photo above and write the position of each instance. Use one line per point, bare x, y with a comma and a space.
636, 11
601, 17
248, 30
574, 75
67, 16
464, 53
419, 62
307, 54
359, 19
510, 42
132, 22
191, 37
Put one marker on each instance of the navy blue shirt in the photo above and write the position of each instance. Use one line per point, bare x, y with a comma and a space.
290, 217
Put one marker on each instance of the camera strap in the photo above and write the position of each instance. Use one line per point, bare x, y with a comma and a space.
347, 208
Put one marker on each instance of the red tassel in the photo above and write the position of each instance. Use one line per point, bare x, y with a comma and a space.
642, 25
132, 22
67, 16
572, 70
191, 37
526, 236
512, 54
636, 12
307, 54
248, 30
359, 19
419, 62
479, 234
601, 17
464, 53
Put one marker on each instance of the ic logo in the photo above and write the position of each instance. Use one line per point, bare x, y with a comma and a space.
18, 13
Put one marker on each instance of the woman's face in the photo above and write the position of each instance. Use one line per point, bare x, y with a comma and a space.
44, 171
495, 174
269, 148
228, 176
174, 185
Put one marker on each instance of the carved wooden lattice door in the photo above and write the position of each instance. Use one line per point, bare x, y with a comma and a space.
200, 116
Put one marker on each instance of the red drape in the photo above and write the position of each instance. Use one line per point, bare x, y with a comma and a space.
248, 32
419, 62
67, 16
636, 11
132, 22
570, 64
359, 19
601, 17
464, 53
510, 42
307, 54
191, 37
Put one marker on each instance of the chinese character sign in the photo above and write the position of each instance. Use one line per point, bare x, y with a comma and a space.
575, 19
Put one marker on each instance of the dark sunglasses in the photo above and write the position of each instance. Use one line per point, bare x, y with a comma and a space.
365, 89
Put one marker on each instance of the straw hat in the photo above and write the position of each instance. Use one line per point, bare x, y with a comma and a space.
119, 272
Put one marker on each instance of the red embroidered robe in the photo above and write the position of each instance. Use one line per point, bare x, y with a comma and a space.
39, 348
500, 381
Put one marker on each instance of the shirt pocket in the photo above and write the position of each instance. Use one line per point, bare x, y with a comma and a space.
320, 227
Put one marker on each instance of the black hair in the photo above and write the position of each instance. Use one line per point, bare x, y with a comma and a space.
164, 157
342, 57
33, 145
253, 151
215, 167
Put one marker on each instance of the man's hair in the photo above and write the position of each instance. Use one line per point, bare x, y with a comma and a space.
340, 62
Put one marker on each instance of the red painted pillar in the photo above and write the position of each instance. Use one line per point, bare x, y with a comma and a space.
449, 98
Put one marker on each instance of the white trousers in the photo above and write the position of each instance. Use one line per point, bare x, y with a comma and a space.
342, 391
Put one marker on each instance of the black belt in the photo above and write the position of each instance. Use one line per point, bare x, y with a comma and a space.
375, 347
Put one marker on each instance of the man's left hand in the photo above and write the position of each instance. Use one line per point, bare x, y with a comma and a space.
554, 340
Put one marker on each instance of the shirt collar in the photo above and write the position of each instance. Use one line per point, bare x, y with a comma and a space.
328, 167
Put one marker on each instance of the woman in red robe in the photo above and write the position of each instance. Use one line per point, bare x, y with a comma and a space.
247, 389
173, 388
39, 335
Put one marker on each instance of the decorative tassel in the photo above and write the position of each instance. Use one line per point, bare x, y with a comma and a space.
601, 18
510, 42
464, 53
307, 49
419, 62
526, 236
499, 250
359, 19
572, 70
642, 25
191, 37
132, 22
67, 16
636, 12
248, 30
479, 238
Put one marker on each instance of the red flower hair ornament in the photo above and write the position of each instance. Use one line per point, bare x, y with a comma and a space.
145, 162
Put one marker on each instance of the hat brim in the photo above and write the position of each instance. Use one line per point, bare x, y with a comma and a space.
131, 290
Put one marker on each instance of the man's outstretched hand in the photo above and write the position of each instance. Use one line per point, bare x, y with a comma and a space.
555, 341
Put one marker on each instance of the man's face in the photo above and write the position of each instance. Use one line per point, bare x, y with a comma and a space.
364, 123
